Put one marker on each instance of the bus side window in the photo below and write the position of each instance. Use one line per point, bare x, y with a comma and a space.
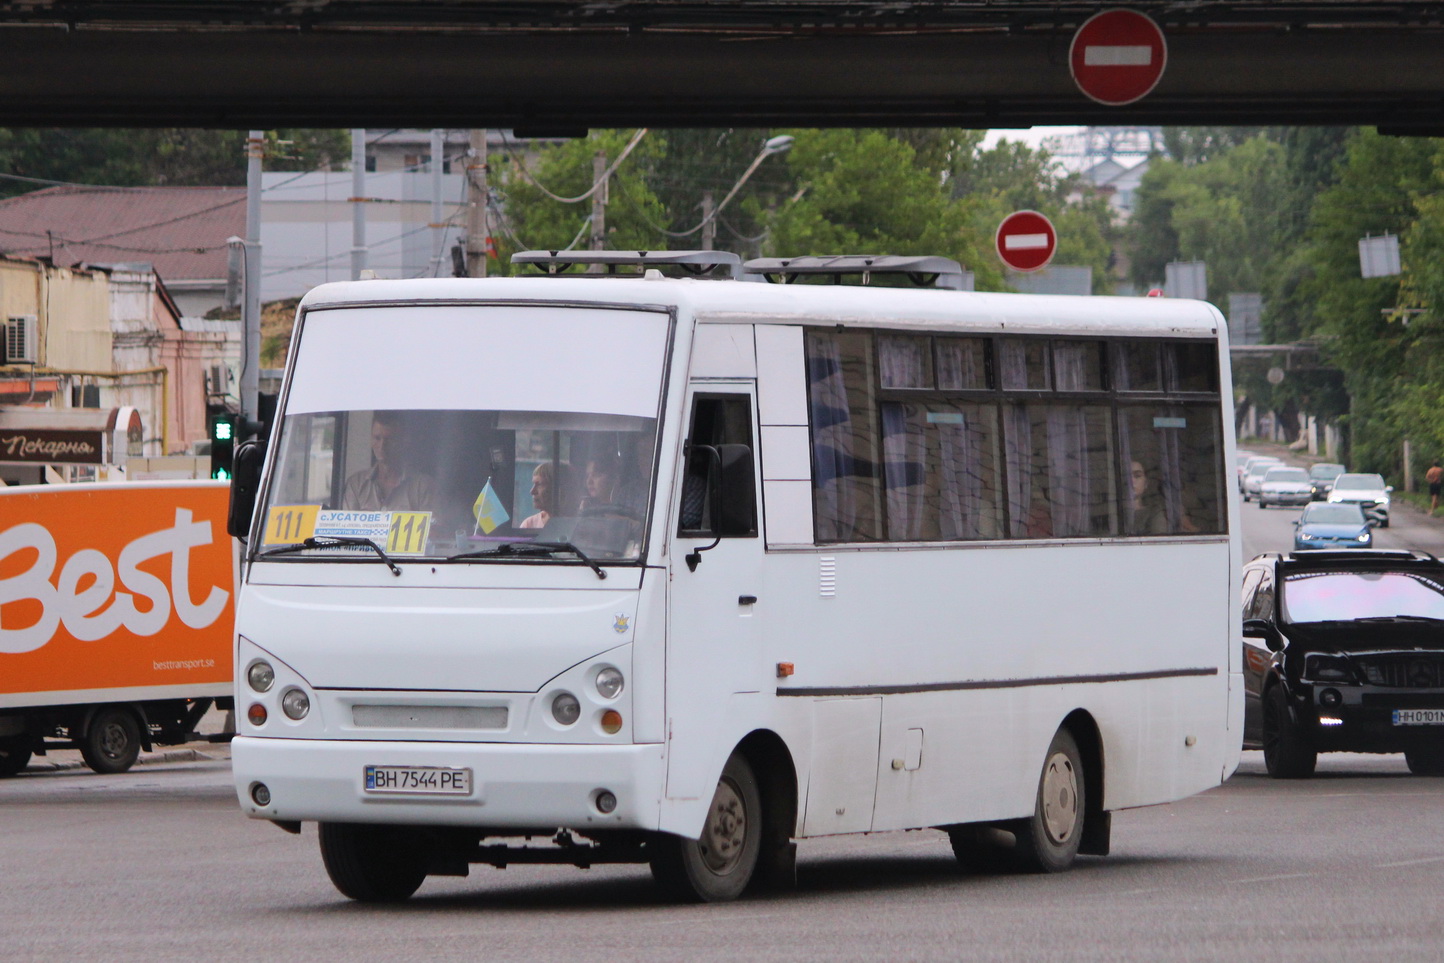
719, 489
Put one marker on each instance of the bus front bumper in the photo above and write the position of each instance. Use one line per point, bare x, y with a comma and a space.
510, 787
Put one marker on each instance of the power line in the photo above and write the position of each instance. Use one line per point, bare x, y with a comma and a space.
596, 186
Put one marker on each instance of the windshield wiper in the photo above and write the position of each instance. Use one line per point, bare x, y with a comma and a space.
326, 541
532, 548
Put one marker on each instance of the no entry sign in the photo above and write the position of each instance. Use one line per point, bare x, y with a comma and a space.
1117, 56
1026, 241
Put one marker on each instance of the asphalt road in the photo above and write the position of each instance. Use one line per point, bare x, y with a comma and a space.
158, 863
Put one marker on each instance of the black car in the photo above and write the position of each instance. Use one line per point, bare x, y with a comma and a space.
1343, 651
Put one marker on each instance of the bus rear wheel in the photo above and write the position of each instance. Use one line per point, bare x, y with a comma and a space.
373, 864
716, 866
1048, 842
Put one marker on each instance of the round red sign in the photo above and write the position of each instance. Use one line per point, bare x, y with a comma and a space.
1117, 56
1026, 241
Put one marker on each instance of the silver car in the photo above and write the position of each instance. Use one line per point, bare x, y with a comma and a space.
1282, 485
1253, 473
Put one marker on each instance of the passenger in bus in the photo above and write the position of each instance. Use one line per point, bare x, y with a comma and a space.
1149, 517
603, 473
388, 485
547, 496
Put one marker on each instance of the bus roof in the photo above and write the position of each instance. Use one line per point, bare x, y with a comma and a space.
732, 302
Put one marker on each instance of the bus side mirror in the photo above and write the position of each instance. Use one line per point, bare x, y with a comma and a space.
245, 481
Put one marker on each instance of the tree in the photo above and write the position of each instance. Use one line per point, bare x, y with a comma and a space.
864, 192
152, 157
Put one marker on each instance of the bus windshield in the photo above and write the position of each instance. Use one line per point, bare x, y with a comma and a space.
469, 457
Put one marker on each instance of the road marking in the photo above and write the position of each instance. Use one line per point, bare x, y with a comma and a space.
1412, 862
1270, 879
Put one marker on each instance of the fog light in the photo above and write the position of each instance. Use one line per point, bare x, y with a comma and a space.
1330, 697
606, 802
1330, 721
261, 794
566, 709
256, 714
295, 704
261, 676
611, 722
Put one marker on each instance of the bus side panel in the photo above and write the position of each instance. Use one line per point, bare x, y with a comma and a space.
1009, 641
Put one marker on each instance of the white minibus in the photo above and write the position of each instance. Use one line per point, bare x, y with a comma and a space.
592, 570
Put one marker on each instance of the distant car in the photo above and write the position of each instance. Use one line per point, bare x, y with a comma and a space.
1367, 491
1282, 485
1240, 463
1322, 476
1344, 652
1322, 526
1253, 473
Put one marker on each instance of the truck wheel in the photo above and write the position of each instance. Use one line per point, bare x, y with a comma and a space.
718, 866
112, 743
14, 755
373, 864
1048, 842
1287, 751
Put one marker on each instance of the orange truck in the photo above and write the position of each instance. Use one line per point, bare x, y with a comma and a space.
117, 612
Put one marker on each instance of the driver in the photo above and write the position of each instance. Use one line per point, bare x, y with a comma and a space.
388, 485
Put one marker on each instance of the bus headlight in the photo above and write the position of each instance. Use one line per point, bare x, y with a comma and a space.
609, 683
295, 704
566, 709
261, 676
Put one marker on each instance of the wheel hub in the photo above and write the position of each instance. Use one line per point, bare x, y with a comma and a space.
721, 843
1060, 798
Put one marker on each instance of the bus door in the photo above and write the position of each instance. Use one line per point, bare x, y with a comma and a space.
716, 595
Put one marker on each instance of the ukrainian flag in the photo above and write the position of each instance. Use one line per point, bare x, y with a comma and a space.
489, 511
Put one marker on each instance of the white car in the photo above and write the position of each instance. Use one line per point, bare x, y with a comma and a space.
1253, 474
1283, 485
1367, 491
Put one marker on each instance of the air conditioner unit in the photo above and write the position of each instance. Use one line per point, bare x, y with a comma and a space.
21, 343
218, 380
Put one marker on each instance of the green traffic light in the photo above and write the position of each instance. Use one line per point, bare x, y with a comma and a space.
220, 474
223, 431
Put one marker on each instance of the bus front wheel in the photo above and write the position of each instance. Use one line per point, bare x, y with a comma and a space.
1048, 842
716, 866
373, 864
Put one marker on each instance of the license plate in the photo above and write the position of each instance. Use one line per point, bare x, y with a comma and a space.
1419, 717
418, 780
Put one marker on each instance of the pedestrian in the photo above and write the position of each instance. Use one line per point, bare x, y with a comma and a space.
1435, 477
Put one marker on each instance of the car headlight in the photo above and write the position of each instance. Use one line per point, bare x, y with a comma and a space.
1306, 537
1365, 538
1329, 668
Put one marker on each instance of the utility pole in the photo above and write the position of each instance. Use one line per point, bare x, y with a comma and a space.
358, 202
251, 312
709, 223
438, 229
476, 198
599, 203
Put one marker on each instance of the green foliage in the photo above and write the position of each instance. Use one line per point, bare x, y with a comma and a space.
155, 157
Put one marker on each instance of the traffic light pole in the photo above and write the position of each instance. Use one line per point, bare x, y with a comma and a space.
251, 312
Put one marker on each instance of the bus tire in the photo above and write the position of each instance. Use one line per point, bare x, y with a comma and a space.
1048, 842
112, 741
373, 864
14, 755
1288, 754
717, 866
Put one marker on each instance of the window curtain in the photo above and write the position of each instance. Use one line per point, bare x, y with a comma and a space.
904, 362
834, 499
905, 464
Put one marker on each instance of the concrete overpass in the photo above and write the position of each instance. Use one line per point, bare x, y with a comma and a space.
549, 65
